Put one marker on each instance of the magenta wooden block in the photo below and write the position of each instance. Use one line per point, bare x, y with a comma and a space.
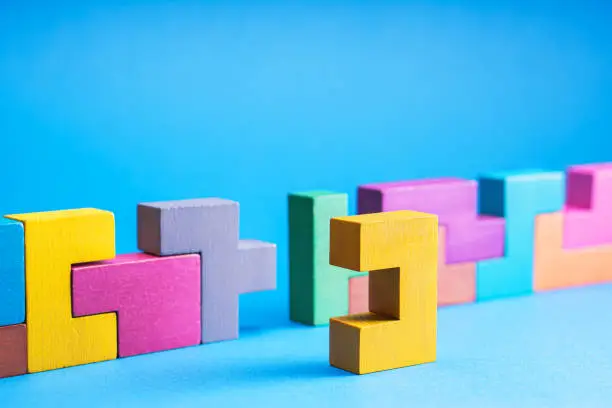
157, 299
588, 211
448, 197
470, 237
474, 238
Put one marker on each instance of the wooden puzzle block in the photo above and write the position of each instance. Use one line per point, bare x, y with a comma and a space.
400, 250
470, 236
13, 350
448, 196
318, 290
519, 197
157, 299
556, 267
474, 238
208, 226
588, 213
456, 282
53, 242
359, 289
257, 265
12, 273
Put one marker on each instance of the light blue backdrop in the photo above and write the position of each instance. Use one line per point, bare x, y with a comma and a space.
109, 103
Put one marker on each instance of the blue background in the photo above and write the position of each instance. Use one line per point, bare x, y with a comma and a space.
109, 103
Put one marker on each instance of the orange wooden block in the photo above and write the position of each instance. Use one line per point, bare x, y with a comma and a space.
456, 282
555, 267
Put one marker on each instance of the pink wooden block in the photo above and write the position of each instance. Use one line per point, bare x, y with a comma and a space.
157, 299
470, 237
588, 212
358, 294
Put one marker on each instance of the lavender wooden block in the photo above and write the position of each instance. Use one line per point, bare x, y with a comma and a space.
256, 265
207, 226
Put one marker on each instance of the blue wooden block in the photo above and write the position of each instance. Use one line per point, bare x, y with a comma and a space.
12, 273
519, 197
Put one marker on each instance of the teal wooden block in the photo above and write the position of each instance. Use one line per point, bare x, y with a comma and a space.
318, 290
519, 197
12, 273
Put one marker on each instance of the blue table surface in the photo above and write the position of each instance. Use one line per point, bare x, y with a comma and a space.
546, 350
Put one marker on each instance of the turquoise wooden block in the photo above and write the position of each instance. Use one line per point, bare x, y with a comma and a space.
318, 290
519, 197
12, 273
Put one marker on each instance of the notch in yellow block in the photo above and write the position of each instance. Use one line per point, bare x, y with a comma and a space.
400, 249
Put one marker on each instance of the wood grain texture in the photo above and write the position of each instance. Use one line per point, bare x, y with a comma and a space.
53, 242
13, 350
400, 250
470, 236
588, 213
209, 227
557, 268
456, 282
12, 273
157, 299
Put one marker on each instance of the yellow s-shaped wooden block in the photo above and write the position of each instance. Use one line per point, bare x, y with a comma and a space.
400, 249
53, 242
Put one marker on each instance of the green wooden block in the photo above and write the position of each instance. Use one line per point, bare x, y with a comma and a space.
318, 290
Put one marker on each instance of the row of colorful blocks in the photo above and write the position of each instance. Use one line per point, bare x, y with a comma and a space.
66, 299
504, 238
506, 234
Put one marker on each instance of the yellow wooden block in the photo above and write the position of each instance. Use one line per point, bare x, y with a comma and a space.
53, 242
400, 249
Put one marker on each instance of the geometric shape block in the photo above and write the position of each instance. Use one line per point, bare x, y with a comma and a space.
157, 299
474, 238
358, 294
12, 273
470, 236
519, 197
557, 268
53, 242
400, 250
257, 265
318, 290
588, 212
449, 197
589, 186
456, 283
208, 226
13, 350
